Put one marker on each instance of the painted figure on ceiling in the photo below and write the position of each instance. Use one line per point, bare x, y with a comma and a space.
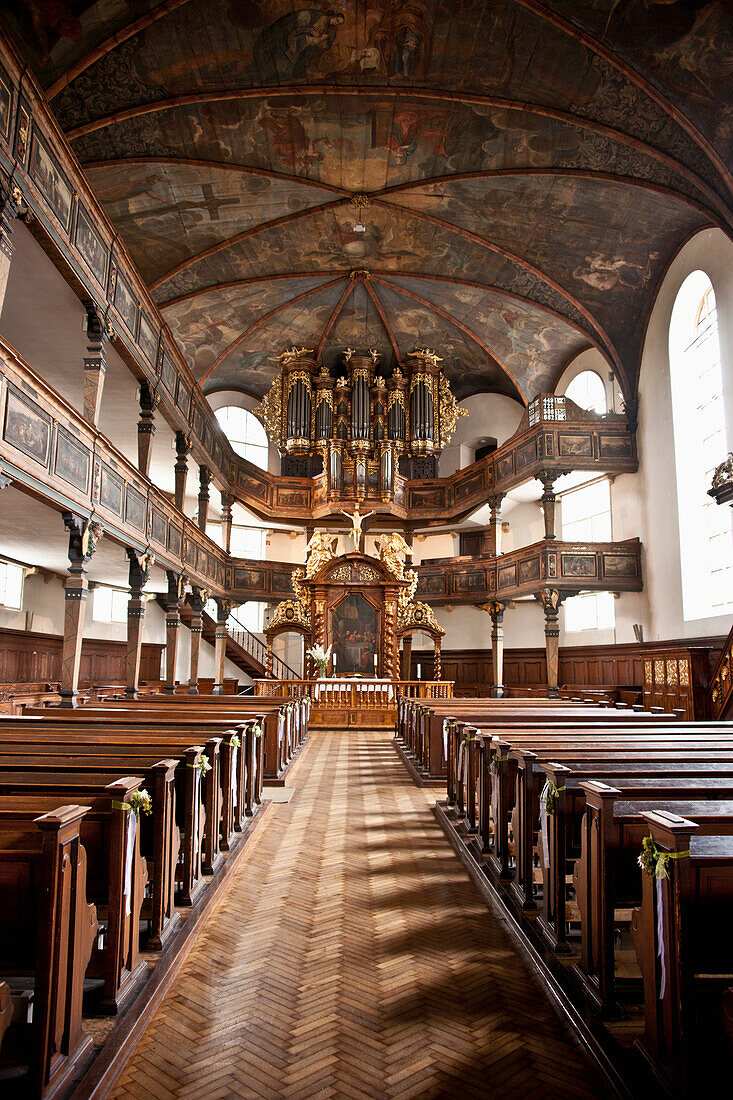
290, 45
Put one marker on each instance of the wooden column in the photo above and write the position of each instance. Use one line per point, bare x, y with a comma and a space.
548, 501
204, 495
437, 662
226, 523
146, 427
390, 660
496, 610
269, 659
95, 363
223, 607
84, 535
183, 447
406, 657
551, 599
197, 601
176, 584
139, 576
8, 213
494, 503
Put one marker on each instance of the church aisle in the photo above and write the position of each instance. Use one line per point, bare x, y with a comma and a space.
366, 966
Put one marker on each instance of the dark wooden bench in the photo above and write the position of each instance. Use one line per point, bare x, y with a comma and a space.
83, 783
606, 874
47, 931
116, 881
688, 973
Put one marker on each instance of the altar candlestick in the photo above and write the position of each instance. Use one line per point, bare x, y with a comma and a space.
375, 664
334, 664
419, 671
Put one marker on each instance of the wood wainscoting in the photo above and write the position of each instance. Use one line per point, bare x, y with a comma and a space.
606, 666
27, 658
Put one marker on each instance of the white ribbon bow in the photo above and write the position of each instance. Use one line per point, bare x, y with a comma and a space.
543, 824
129, 854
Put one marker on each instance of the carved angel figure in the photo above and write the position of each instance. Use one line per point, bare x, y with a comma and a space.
320, 549
392, 551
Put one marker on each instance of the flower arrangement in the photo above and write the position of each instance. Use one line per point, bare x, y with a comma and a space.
234, 741
321, 657
551, 797
141, 802
653, 861
257, 729
202, 765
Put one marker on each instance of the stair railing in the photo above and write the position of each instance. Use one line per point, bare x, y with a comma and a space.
256, 648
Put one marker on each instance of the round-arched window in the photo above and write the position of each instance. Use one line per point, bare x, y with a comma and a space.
245, 433
700, 439
588, 391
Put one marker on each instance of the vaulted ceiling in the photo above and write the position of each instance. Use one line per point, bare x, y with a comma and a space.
529, 170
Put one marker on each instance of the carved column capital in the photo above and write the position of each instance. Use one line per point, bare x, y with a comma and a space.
84, 537
494, 608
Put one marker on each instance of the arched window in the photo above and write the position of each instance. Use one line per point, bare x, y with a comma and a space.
245, 433
706, 530
588, 391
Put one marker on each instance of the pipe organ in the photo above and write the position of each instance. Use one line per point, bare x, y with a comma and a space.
360, 430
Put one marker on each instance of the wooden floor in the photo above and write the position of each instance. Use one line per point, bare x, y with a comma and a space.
351, 956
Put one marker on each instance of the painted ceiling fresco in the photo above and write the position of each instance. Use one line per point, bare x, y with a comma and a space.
529, 168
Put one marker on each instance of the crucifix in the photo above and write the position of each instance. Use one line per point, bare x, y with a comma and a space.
356, 522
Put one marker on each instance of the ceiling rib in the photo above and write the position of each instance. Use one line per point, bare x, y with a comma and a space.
576, 173
428, 277
260, 321
593, 44
468, 235
217, 165
383, 317
252, 231
348, 290
433, 308
540, 9
110, 43
379, 91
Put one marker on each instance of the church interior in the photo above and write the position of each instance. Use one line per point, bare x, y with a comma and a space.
366, 548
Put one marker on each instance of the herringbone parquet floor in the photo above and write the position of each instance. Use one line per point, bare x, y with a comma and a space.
351, 956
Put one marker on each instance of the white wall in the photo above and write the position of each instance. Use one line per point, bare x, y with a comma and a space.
713, 253
489, 415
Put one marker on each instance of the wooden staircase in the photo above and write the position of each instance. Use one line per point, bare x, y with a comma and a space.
720, 691
241, 649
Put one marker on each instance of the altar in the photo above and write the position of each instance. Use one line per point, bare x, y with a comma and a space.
358, 608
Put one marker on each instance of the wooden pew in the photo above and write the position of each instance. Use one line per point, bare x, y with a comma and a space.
279, 744
83, 783
664, 744
116, 881
606, 873
6, 1012
47, 930
687, 971
190, 728
426, 729
197, 829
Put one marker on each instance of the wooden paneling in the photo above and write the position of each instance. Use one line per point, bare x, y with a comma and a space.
29, 658
619, 666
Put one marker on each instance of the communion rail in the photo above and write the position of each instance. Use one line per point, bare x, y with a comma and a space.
362, 694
